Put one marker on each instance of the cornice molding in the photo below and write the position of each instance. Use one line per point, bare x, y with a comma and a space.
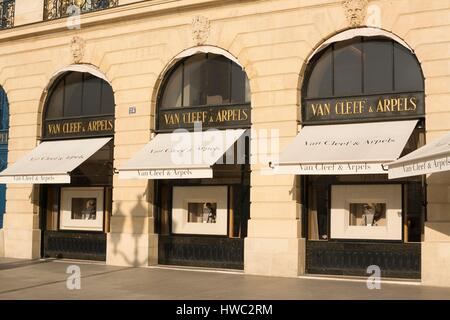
125, 12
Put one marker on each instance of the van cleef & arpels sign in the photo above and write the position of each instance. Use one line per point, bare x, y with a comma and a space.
368, 108
98, 126
209, 117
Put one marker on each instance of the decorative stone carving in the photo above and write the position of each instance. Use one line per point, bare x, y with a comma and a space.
77, 45
200, 29
355, 11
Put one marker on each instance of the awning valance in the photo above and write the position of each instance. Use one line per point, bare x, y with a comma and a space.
431, 158
180, 155
345, 149
52, 161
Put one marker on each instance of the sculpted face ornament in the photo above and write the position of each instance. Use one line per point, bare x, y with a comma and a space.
355, 11
200, 30
77, 47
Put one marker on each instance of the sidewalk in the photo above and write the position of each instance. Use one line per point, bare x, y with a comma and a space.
46, 279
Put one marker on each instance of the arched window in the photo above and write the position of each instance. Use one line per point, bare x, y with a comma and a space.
361, 67
79, 107
79, 94
204, 79
209, 91
363, 79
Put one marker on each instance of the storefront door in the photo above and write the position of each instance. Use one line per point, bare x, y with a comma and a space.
198, 162
79, 117
363, 106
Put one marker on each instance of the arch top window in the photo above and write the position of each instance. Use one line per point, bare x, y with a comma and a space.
79, 104
79, 94
363, 66
204, 80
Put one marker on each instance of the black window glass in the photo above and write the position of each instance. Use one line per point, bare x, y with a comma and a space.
195, 77
92, 87
78, 94
321, 80
378, 66
347, 68
56, 101
218, 81
408, 75
363, 66
107, 99
172, 95
205, 79
73, 94
238, 81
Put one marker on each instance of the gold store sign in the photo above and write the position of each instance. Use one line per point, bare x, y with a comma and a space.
79, 127
209, 117
360, 108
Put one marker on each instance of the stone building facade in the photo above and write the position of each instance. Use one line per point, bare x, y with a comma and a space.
134, 44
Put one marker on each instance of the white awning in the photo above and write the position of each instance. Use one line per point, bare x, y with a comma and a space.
431, 158
52, 161
180, 155
345, 149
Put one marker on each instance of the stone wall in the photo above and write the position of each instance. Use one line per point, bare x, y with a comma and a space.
272, 39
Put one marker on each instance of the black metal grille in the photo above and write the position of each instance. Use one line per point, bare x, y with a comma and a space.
54, 9
86, 246
396, 260
7, 8
202, 252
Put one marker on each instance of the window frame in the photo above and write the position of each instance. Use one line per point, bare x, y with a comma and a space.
182, 64
359, 40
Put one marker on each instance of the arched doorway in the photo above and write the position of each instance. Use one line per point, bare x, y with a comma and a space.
4, 128
363, 106
73, 167
201, 205
75, 217
205, 82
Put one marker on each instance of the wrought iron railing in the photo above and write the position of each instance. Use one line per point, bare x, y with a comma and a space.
54, 9
7, 13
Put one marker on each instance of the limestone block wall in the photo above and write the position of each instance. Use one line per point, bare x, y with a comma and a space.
272, 39
28, 11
